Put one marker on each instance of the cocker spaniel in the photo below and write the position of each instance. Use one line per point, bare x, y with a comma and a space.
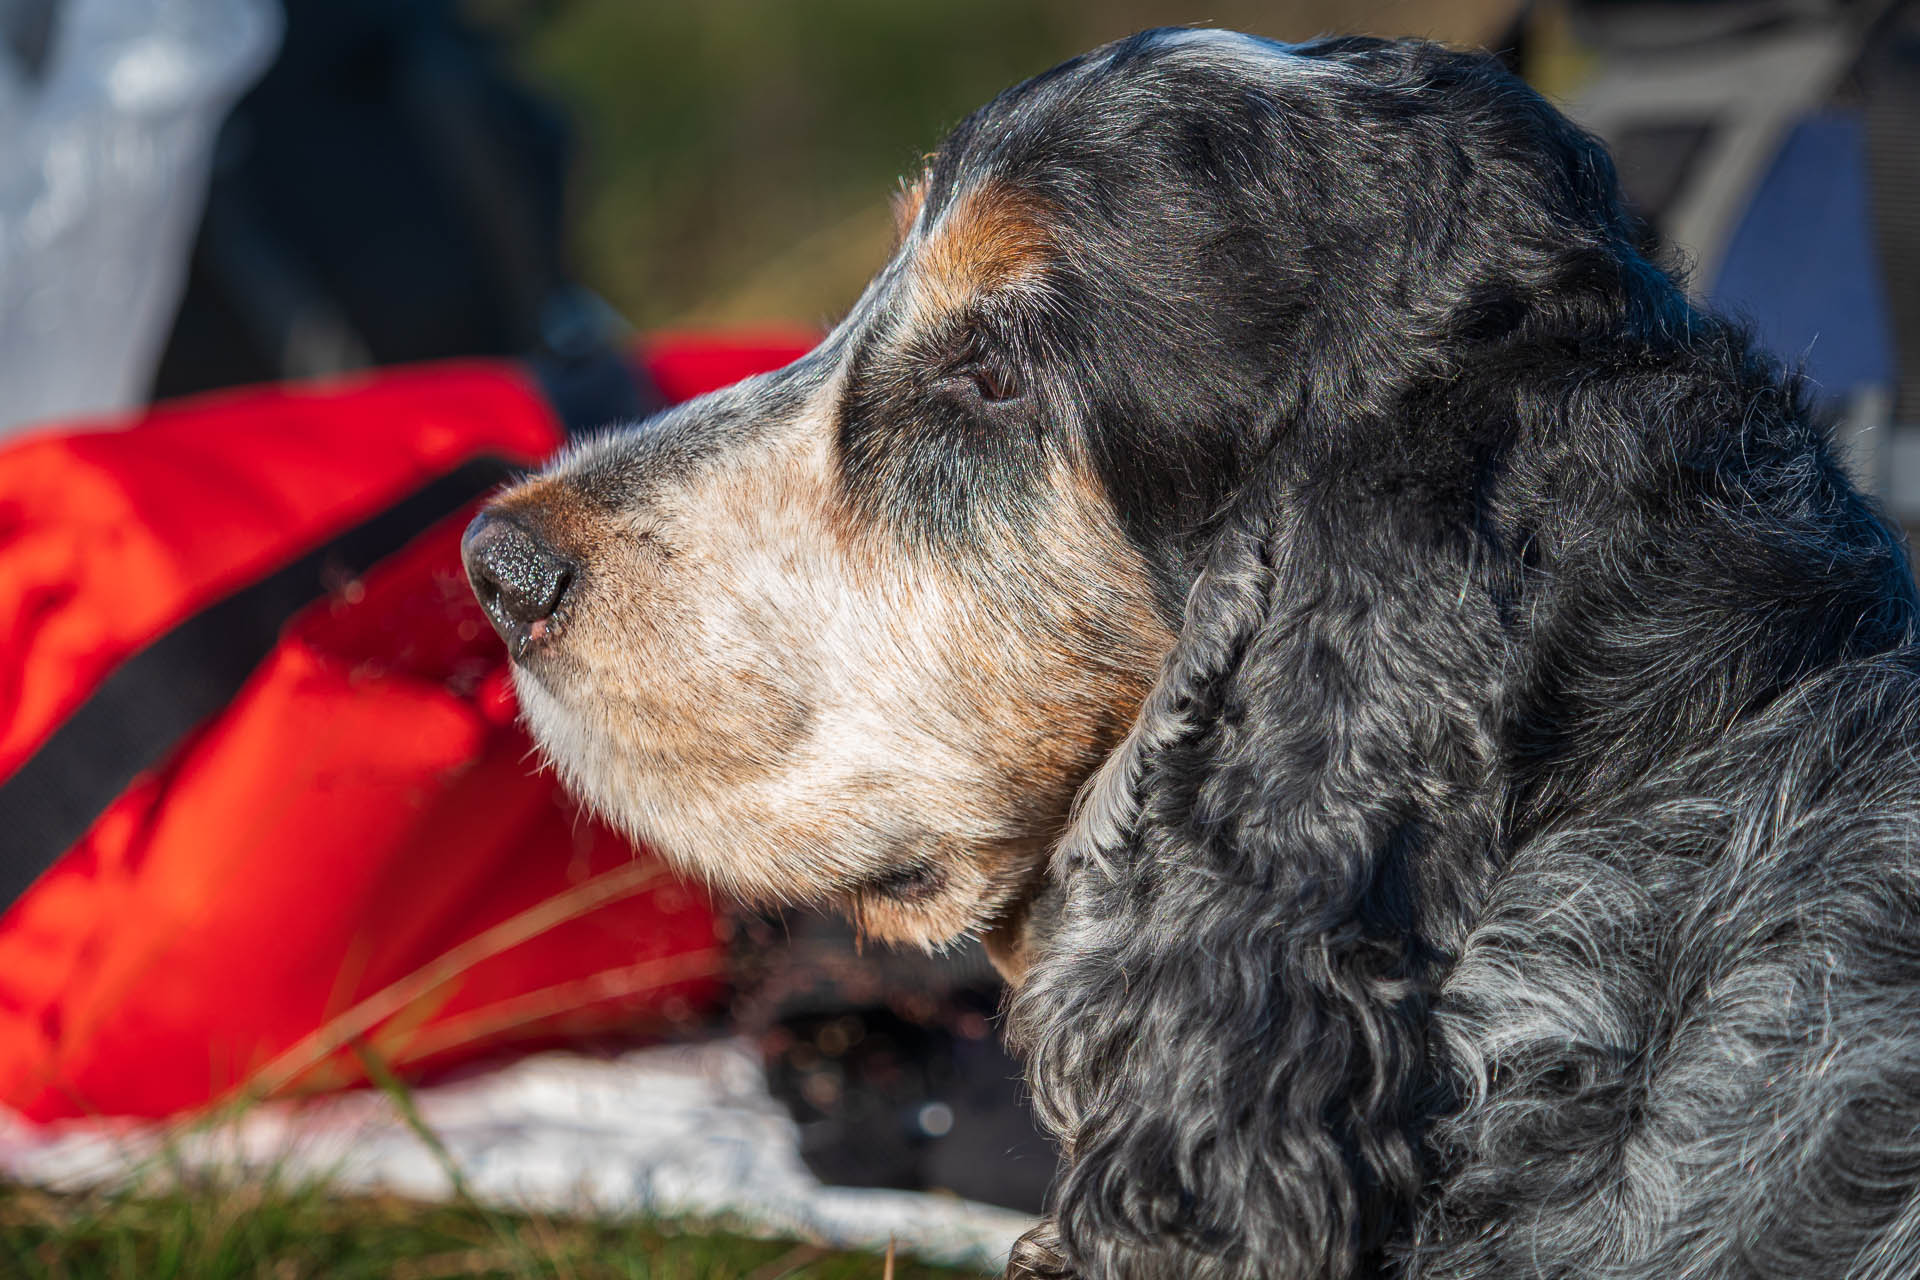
1414, 704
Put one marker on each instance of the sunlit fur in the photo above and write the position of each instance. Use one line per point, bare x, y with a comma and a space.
1505, 859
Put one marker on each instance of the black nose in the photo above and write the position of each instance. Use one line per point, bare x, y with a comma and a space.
520, 579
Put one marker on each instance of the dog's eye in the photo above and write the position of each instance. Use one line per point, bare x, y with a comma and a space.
994, 383
981, 370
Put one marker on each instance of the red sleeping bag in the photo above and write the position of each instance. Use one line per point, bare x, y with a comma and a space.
263, 804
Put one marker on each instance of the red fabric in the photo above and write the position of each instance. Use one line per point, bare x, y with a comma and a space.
358, 849
112, 537
686, 365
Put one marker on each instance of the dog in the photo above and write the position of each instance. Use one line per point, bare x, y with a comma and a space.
1414, 706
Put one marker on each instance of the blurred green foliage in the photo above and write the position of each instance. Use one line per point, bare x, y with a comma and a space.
737, 155
722, 137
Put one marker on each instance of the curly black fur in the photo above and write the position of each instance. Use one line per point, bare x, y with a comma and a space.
1514, 871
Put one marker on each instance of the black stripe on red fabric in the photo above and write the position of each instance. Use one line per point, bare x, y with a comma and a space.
153, 699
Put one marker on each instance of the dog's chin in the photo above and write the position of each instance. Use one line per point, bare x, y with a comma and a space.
1012, 925
934, 906
931, 923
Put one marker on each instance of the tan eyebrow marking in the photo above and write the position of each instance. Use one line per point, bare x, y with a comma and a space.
992, 235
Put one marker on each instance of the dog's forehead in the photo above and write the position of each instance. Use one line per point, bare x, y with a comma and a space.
1113, 90
1238, 53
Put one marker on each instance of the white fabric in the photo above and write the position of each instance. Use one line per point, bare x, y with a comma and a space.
679, 1131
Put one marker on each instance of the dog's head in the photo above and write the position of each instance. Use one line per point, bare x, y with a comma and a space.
858, 630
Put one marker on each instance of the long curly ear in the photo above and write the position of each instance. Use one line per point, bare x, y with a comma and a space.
1227, 1029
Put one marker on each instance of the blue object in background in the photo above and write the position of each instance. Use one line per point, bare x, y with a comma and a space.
1801, 265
